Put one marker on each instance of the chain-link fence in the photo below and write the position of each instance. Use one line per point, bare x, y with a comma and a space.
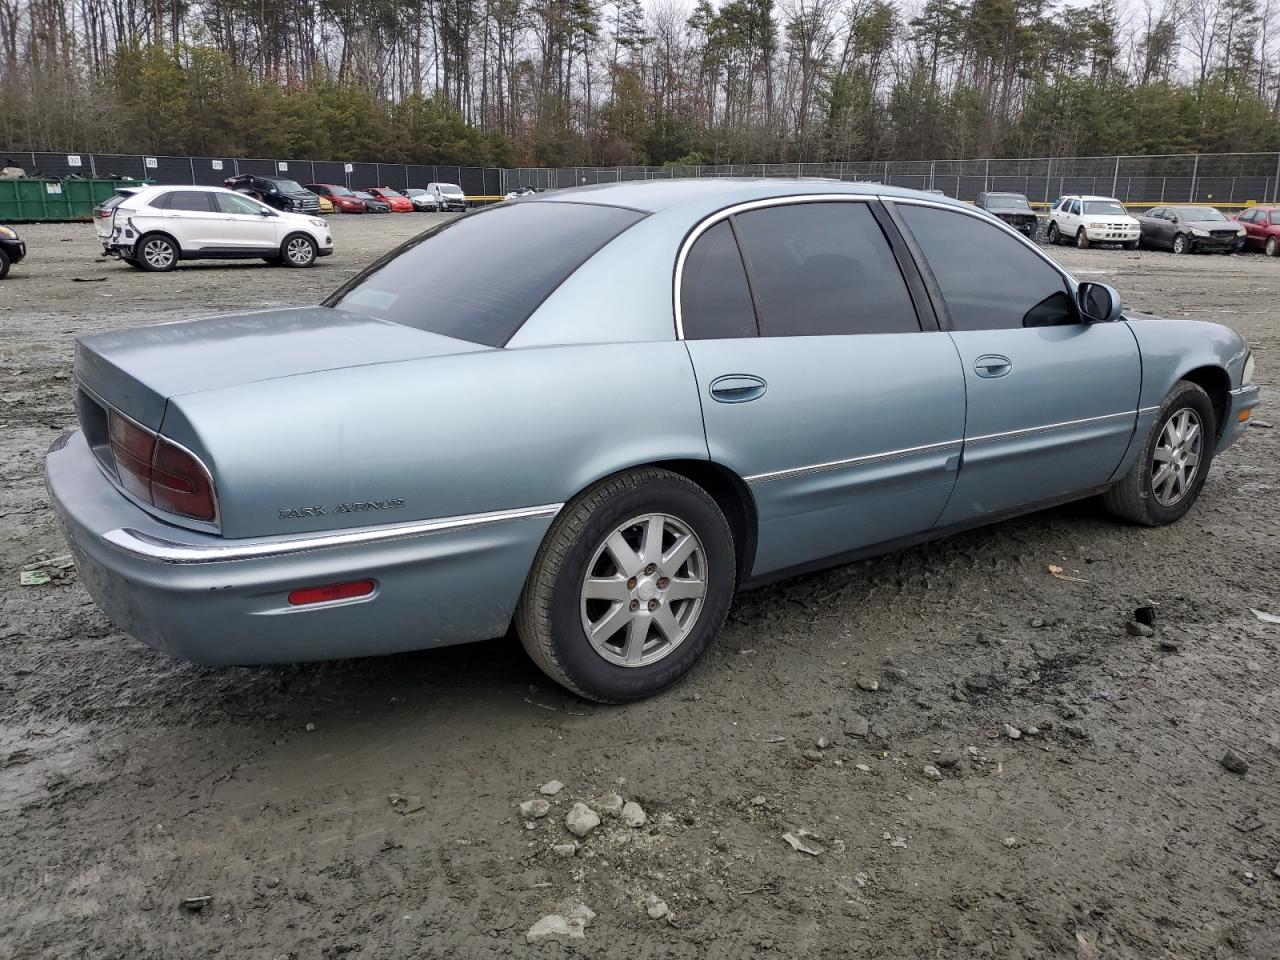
480, 183
1227, 179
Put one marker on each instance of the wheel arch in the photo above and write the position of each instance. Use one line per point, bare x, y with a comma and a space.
159, 233
725, 487
1216, 382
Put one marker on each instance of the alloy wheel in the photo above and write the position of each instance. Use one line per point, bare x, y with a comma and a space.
299, 251
1179, 244
1176, 457
158, 253
643, 590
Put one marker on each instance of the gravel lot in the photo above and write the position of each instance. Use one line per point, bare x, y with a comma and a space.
370, 808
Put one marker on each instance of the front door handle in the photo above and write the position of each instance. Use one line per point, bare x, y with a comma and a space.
737, 388
992, 365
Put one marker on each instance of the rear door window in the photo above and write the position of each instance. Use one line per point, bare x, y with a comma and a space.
479, 277
824, 268
989, 279
715, 300
195, 201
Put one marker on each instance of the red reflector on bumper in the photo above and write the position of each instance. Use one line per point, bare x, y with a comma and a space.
330, 592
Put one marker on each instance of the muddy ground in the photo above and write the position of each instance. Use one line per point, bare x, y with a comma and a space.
369, 808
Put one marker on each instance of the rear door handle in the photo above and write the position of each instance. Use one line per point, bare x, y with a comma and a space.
737, 388
992, 365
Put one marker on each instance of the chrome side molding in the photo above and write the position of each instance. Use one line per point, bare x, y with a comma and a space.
161, 550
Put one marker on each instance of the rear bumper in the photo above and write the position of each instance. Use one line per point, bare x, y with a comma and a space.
16, 249
1243, 400
217, 601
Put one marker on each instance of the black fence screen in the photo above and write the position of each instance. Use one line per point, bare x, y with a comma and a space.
478, 183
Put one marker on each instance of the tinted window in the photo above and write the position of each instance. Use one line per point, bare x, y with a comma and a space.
479, 277
235, 203
187, 200
824, 268
715, 301
989, 279
1248, 216
1075, 206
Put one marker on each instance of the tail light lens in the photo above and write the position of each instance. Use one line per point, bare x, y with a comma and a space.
159, 472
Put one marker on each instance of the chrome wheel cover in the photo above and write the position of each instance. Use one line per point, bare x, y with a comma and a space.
1176, 458
158, 253
298, 250
643, 590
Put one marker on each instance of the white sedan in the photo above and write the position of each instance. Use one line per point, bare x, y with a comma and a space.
155, 227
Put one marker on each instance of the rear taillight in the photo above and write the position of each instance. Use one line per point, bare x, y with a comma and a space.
102, 214
159, 472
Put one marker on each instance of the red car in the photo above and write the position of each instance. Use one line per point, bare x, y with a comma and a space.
398, 202
343, 200
1262, 229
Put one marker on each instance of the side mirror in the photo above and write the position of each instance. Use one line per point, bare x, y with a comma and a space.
264, 212
1098, 302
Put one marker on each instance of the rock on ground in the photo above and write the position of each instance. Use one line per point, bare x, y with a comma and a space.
581, 820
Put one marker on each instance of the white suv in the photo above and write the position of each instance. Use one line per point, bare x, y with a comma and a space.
155, 227
1088, 220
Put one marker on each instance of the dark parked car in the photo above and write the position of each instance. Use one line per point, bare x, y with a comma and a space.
1190, 230
1262, 229
11, 249
371, 203
343, 200
276, 192
1013, 209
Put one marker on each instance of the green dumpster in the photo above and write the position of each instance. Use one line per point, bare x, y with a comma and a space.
29, 200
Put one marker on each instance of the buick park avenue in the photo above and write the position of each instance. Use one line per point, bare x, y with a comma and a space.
594, 415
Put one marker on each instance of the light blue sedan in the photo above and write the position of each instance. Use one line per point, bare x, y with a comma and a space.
595, 415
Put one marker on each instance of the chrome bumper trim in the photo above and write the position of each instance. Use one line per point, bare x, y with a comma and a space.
160, 550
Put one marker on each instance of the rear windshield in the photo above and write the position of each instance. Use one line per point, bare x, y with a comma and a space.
479, 277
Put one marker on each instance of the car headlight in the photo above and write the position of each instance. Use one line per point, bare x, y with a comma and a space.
317, 222
1246, 377
8, 234
1240, 231
1199, 233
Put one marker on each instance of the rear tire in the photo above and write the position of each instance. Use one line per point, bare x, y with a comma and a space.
1146, 494
4, 264
156, 253
640, 541
298, 250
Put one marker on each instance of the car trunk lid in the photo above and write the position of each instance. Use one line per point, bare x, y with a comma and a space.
136, 371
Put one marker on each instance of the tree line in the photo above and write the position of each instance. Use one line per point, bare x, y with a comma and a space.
561, 82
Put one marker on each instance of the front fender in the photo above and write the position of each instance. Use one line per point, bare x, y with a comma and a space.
1173, 348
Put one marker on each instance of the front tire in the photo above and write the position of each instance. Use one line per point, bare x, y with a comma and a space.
1082, 239
629, 587
4, 264
1273, 247
1167, 478
1181, 244
298, 250
1052, 236
156, 253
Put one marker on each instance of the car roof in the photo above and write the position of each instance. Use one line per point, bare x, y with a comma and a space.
652, 196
